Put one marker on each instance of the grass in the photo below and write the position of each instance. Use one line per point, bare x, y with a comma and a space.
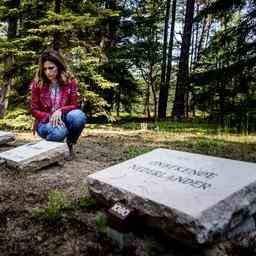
184, 127
86, 203
234, 146
194, 136
191, 137
135, 151
20, 119
17, 120
101, 223
196, 128
57, 202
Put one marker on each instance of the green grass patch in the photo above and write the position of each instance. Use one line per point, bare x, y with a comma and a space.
101, 223
17, 119
57, 203
203, 128
238, 150
168, 126
208, 146
86, 203
135, 151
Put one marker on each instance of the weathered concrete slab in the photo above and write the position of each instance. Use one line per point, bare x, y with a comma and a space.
35, 155
191, 197
6, 137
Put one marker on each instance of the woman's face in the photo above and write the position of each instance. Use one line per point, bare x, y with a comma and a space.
50, 70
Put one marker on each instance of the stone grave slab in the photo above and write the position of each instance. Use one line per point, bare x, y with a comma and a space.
35, 155
6, 137
194, 198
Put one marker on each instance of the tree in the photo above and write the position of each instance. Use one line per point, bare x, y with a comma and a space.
60, 25
164, 89
162, 103
11, 7
226, 72
183, 72
145, 49
57, 36
116, 62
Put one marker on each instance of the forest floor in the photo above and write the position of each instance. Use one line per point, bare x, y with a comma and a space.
76, 232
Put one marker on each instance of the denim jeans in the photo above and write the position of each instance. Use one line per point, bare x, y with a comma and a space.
74, 124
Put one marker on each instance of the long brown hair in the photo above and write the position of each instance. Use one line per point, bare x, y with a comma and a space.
64, 76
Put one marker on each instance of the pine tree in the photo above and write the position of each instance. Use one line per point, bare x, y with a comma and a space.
226, 74
145, 50
183, 72
162, 103
11, 17
164, 88
53, 24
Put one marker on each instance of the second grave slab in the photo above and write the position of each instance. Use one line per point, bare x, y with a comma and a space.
34, 155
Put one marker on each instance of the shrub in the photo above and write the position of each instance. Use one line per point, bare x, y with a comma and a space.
53, 212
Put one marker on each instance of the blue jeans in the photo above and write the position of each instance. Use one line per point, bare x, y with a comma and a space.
74, 121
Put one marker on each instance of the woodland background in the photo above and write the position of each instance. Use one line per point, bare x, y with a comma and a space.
180, 60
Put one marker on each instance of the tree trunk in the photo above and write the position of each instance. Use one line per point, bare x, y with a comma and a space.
161, 110
118, 102
183, 72
222, 102
164, 91
201, 40
13, 21
57, 35
11, 34
208, 28
192, 49
146, 104
152, 81
196, 36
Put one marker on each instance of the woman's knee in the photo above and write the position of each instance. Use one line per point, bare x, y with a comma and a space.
43, 130
57, 134
76, 117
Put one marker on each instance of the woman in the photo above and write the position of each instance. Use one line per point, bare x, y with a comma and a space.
54, 101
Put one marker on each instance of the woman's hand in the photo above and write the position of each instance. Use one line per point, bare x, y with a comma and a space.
55, 119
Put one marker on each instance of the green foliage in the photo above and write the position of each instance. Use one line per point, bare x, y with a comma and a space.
53, 212
92, 85
17, 119
197, 137
220, 8
86, 203
211, 147
75, 26
112, 46
16, 112
199, 126
101, 223
126, 91
135, 151
224, 82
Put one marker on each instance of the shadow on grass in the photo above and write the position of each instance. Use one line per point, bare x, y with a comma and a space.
201, 145
204, 128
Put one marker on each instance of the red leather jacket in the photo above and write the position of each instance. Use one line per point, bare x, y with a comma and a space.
41, 100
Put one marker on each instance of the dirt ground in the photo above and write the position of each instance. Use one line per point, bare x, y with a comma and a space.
76, 232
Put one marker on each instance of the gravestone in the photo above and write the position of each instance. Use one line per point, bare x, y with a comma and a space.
6, 137
193, 198
34, 155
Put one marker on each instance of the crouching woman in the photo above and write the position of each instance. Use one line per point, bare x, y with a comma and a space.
54, 101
